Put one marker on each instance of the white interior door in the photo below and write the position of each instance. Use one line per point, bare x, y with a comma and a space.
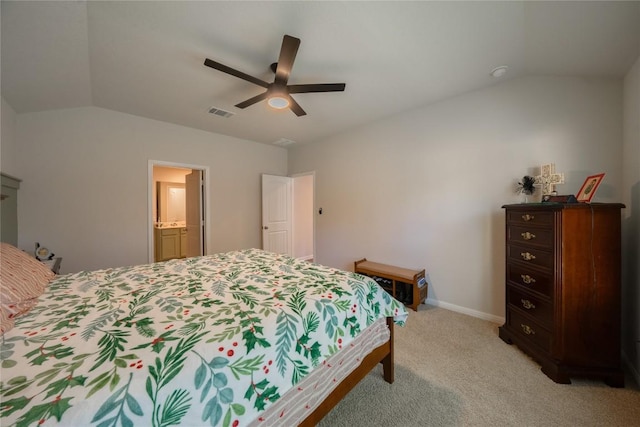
276, 214
194, 213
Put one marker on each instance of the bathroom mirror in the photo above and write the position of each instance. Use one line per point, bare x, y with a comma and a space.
171, 202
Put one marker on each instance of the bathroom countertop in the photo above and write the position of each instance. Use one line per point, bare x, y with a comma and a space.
167, 224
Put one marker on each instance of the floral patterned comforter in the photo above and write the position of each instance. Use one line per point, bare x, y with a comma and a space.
211, 340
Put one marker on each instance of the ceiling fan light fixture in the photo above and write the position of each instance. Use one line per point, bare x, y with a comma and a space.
278, 102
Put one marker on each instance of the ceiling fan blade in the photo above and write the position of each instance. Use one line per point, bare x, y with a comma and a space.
221, 67
288, 53
320, 87
296, 108
251, 101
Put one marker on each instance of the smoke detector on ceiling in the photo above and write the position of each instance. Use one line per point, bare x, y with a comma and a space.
499, 71
283, 142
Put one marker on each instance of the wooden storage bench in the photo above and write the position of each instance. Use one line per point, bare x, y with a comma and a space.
397, 281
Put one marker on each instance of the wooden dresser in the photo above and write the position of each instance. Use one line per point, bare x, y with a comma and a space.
563, 288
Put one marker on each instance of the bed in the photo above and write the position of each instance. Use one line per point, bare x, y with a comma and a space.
240, 338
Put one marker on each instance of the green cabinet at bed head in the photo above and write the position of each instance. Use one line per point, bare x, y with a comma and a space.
9, 209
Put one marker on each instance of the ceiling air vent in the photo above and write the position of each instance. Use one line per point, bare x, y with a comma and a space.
221, 113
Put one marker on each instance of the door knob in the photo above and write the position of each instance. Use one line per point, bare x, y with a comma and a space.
265, 227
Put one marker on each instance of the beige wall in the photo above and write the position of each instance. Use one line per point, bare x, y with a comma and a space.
631, 223
425, 189
84, 192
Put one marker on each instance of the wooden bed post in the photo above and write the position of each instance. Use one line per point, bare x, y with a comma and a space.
388, 362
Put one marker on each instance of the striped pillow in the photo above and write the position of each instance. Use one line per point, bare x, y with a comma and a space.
22, 280
6, 321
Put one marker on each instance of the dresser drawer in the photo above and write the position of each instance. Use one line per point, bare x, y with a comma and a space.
530, 255
529, 278
530, 237
530, 218
529, 329
540, 309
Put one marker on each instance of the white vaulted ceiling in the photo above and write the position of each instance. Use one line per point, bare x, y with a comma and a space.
146, 57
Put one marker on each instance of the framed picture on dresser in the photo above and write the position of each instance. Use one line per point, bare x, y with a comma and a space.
589, 187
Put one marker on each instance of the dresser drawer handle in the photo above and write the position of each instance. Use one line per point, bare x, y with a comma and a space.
527, 329
527, 279
528, 217
527, 304
528, 236
527, 256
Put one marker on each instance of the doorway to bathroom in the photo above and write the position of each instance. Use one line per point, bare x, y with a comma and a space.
177, 210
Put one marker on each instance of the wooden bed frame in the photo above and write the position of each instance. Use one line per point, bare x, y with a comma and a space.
382, 354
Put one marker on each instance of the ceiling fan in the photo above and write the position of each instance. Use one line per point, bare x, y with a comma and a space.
278, 93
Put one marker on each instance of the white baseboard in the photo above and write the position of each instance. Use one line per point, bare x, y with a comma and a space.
467, 311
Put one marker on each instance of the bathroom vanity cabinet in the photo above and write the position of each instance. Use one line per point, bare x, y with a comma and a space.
170, 243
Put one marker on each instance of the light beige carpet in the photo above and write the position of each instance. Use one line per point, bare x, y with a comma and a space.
453, 370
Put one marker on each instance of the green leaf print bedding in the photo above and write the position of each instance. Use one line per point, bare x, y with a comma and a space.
211, 340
